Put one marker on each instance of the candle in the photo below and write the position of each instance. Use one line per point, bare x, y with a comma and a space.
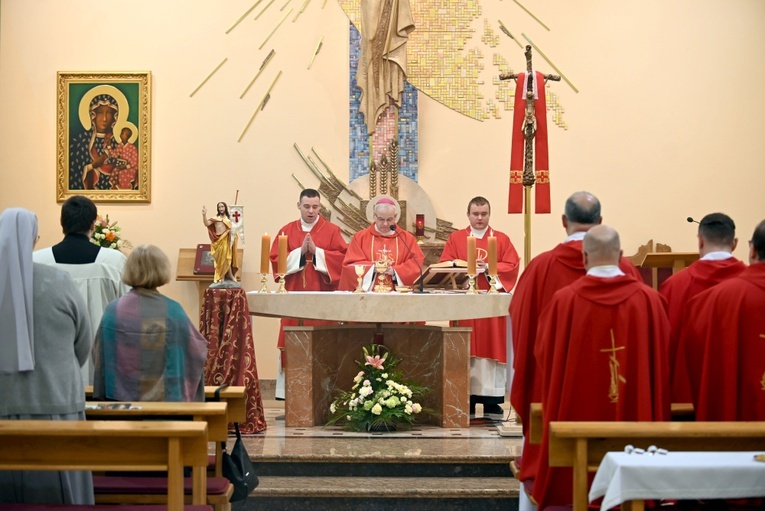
265, 251
492, 255
420, 226
471, 253
282, 254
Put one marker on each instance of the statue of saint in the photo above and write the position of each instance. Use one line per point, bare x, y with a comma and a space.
223, 243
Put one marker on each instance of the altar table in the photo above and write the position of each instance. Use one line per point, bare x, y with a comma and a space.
322, 359
624, 477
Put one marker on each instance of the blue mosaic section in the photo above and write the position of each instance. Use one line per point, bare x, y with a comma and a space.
359, 141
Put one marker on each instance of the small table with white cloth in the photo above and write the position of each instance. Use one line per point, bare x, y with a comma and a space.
631, 478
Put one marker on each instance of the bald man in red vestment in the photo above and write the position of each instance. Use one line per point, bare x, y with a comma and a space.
316, 249
488, 340
602, 349
723, 336
717, 241
547, 273
382, 240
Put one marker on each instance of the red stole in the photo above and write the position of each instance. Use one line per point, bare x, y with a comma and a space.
541, 157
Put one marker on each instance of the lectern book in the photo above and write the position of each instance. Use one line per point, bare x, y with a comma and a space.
447, 274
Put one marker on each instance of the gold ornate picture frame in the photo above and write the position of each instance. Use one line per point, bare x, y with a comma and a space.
103, 148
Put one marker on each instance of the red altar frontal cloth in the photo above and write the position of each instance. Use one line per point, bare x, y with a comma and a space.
225, 322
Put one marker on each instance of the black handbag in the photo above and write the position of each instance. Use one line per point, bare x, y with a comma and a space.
237, 466
238, 469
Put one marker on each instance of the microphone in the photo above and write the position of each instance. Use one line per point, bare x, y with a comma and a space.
691, 220
422, 284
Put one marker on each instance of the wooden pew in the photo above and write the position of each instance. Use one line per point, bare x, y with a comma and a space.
536, 426
214, 414
582, 445
234, 396
112, 445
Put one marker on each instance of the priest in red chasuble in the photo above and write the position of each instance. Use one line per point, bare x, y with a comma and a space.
547, 273
717, 241
602, 349
723, 336
315, 249
488, 341
382, 241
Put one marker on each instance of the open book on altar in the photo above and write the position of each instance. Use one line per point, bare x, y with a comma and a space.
457, 263
446, 275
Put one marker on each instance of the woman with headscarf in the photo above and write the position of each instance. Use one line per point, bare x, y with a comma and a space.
44, 340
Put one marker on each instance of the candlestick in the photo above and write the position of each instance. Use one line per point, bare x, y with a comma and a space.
282, 266
281, 289
263, 281
492, 255
265, 251
492, 285
471, 255
419, 227
471, 284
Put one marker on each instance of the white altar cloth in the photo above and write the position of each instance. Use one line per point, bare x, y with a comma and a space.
678, 475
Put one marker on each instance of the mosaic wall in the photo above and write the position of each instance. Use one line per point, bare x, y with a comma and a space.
407, 124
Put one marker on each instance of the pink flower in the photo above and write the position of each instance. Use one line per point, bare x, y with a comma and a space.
375, 361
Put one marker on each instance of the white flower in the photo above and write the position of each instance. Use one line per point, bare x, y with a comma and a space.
403, 399
365, 391
384, 375
347, 417
416, 407
377, 409
113, 245
332, 408
408, 409
367, 383
105, 231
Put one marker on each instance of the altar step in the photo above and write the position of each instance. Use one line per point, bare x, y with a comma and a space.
372, 484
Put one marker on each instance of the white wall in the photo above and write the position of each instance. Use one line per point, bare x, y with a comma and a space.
670, 120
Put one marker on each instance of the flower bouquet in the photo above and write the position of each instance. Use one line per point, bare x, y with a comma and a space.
107, 234
379, 400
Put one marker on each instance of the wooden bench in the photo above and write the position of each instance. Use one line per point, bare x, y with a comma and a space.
234, 396
214, 414
679, 411
582, 445
110, 445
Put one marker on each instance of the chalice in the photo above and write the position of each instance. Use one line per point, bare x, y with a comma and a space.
360, 270
381, 266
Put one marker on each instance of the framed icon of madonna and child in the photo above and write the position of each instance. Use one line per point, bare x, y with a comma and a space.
103, 149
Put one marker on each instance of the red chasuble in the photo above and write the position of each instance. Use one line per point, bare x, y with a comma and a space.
723, 336
368, 245
489, 337
545, 274
326, 236
603, 354
678, 290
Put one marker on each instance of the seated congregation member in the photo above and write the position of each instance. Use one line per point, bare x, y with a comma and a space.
723, 336
147, 348
717, 241
545, 274
602, 349
316, 250
488, 341
97, 271
45, 338
383, 240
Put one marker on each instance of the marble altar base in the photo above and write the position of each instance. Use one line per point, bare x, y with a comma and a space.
321, 359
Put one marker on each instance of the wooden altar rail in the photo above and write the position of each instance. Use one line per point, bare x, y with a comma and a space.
110, 445
582, 445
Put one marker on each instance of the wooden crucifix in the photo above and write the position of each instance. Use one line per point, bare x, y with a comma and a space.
529, 132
